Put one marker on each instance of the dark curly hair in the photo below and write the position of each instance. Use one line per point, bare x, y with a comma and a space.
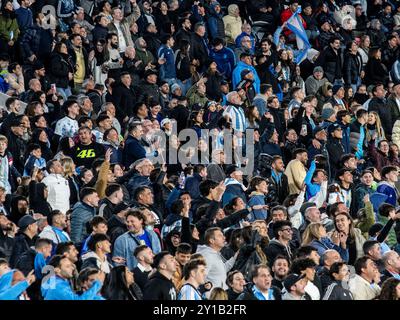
388, 291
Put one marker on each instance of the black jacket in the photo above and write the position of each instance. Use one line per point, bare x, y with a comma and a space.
22, 244
278, 189
352, 67
181, 114
37, 201
72, 54
99, 32
17, 147
380, 106
336, 151
335, 291
275, 248
6, 245
124, 100
375, 72
116, 227
159, 287
199, 50
331, 62
106, 208
60, 66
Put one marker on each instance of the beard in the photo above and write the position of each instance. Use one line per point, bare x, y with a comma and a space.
114, 45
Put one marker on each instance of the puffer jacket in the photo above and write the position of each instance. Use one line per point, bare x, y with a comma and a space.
233, 25
82, 213
215, 22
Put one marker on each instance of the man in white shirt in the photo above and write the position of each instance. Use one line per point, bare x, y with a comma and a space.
57, 186
68, 126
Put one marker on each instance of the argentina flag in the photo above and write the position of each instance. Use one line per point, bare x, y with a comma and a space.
295, 25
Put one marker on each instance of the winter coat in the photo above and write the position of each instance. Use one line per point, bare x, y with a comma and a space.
21, 245
82, 214
133, 150
233, 189
233, 25
331, 62
124, 100
336, 151
215, 23
375, 72
236, 75
312, 84
295, 173
137, 181
38, 203
199, 50
394, 110
60, 66
106, 208
8, 26
192, 185
275, 248
352, 67
37, 41
380, 106
249, 294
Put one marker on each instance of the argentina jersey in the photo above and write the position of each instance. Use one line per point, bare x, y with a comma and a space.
188, 292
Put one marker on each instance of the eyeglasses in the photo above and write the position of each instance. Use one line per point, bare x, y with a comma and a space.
287, 229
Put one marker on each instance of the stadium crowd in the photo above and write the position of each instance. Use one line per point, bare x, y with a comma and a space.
93, 204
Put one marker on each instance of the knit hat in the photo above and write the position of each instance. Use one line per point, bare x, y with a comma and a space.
327, 113
318, 69
291, 280
231, 169
336, 88
175, 86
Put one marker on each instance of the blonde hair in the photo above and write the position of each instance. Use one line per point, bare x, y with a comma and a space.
67, 164
218, 294
3, 139
379, 129
311, 233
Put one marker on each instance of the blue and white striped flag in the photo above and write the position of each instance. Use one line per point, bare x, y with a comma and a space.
295, 25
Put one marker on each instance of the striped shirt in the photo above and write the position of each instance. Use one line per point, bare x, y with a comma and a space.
237, 117
188, 292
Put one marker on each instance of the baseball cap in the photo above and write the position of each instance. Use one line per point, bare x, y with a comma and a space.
292, 279
318, 129
25, 221
333, 127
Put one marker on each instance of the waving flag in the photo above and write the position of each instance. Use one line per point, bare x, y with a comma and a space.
295, 25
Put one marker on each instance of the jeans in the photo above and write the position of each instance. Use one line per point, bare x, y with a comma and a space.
65, 93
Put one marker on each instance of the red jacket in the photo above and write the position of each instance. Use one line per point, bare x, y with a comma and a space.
285, 15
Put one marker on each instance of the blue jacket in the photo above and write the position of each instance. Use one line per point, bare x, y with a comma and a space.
225, 60
56, 288
167, 70
325, 244
233, 191
386, 188
215, 22
82, 213
126, 244
312, 188
133, 151
236, 78
192, 185
24, 18
8, 292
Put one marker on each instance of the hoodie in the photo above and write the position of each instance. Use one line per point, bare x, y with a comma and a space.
158, 287
8, 292
236, 75
217, 266
276, 248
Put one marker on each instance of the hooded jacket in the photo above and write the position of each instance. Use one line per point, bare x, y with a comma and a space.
37, 201
233, 24
22, 244
215, 22
236, 75
8, 292
217, 266
160, 288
